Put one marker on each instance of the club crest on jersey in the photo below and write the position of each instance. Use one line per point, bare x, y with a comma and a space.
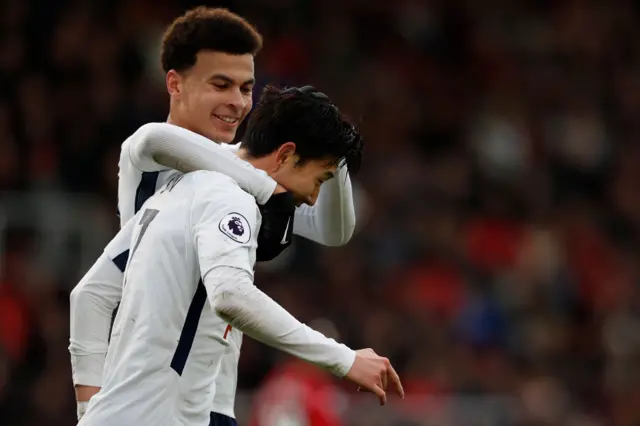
236, 227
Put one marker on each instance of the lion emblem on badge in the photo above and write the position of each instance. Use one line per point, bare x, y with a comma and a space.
235, 225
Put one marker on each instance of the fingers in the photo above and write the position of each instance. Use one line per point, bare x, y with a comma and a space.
377, 390
395, 381
380, 393
375, 374
364, 389
384, 378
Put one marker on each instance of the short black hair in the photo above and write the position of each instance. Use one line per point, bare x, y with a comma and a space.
205, 28
317, 127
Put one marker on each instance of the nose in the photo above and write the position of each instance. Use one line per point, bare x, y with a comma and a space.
237, 99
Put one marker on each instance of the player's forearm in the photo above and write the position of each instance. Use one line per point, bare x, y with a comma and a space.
235, 299
180, 149
332, 220
85, 393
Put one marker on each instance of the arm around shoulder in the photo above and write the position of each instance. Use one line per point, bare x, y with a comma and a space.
161, 146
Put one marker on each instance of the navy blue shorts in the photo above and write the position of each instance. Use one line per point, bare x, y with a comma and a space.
218, 419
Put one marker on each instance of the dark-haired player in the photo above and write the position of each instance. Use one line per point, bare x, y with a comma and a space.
190, 275
208, 59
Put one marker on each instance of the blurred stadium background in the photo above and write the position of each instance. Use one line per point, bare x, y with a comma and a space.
496, 261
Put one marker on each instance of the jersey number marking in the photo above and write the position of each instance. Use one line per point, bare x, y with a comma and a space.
147, 218
172, 183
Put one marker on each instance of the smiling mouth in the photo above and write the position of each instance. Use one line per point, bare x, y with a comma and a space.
227, 120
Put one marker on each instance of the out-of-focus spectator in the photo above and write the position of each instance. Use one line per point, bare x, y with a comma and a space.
298, 394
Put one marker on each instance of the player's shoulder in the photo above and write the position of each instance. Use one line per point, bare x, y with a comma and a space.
207, 179
230, 147
218, 197
215, 186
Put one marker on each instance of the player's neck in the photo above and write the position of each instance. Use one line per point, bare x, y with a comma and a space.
172, 120
262, 163
177, 122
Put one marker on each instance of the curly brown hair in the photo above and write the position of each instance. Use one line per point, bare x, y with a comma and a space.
205, 28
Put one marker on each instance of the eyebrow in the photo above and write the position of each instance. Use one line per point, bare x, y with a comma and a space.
229, 80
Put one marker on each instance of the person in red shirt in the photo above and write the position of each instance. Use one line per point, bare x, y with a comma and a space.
297, 393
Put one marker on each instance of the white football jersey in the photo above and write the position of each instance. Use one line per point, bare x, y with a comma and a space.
134, 188
167, 343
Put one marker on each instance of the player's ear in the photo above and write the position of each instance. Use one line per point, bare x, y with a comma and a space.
286, 154
173, 81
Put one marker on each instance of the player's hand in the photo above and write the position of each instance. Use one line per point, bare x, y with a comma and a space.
373, 373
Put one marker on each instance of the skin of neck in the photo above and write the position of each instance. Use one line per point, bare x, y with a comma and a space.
173, 119
266, 163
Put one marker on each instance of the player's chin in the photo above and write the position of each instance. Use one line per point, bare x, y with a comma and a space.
298, 200
221, 131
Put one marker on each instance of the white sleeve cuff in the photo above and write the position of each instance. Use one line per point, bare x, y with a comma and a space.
87, 369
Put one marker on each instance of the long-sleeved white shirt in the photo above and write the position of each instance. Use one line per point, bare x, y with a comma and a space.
145, 163
194, 240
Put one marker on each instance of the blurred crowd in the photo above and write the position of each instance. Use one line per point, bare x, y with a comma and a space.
496, 257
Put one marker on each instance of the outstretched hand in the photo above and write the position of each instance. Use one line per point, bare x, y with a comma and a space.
374, 373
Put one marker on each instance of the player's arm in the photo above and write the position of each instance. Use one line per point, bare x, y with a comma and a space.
227, 271
161, 146
222, 226
235, 299
92, 303
332, 220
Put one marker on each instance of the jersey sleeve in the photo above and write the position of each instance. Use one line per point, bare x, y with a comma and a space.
332, 220
92, 303
224, 227
225, 221
235, 299
162, 146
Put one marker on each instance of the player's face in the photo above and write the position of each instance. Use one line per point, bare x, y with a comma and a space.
303, 179
214, 96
